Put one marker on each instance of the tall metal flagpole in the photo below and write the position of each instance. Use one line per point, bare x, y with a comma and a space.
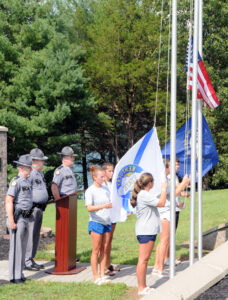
200, 142
193, 131
173, 139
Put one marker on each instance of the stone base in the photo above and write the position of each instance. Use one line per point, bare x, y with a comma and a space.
215, 237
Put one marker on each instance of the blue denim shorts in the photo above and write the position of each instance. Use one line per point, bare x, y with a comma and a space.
98, 228
143, 239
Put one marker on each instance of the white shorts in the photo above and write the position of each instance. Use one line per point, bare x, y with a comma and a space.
165, 215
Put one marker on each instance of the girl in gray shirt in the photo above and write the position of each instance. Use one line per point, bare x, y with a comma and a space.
147, 225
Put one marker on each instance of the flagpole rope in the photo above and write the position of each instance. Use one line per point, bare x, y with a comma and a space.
159, 59
167, 79
187, 111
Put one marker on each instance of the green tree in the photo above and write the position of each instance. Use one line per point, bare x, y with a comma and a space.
43, 95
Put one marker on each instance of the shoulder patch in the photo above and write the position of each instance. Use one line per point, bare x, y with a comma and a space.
57, 172
14, 182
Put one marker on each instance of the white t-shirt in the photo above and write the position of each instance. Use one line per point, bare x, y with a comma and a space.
98, 196
148, 219
167, 203
108, 185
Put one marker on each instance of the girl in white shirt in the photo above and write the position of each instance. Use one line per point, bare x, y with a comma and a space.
109, 170
97, 200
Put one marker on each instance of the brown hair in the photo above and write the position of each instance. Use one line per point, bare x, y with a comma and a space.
105, 165
94, 170
139, 185
167, 161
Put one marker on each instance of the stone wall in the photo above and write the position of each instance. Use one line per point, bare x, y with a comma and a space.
3, 178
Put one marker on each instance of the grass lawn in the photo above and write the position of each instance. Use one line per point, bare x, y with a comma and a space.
64, 291
125, 245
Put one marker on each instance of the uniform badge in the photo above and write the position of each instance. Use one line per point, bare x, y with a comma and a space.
57, 172
14, 183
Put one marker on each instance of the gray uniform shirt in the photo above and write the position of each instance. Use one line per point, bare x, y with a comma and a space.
148, 219
98, 196
20, 188
39, 188
65, 180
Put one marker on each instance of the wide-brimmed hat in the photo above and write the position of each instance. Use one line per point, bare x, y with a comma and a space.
67, 151
24, 160
38, 154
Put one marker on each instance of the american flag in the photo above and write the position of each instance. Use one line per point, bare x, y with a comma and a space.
205, 88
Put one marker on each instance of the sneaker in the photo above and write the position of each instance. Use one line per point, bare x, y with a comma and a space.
167, 262
163, 273
146, 291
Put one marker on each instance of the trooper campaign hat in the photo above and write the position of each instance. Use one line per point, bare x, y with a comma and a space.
38, 154
24, 160
67, 151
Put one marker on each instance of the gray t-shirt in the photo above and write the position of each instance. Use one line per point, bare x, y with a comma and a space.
148, 219
39, 189
20, 188
65, 180
98, 196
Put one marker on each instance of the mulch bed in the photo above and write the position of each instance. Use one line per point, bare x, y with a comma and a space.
219, 291
4, 245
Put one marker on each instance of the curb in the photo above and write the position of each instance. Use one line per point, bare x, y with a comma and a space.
196, 279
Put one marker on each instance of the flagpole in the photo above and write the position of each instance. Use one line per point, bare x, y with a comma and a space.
193, 132
173, 140
200, 142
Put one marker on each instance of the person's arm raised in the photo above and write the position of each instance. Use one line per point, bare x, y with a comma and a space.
181, 186
162, 200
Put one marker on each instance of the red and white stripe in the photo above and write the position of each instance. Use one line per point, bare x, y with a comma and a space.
205, 89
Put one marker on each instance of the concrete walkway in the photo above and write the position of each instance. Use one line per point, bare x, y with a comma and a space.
127, 274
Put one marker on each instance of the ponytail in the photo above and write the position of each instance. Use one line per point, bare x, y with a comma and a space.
137, 188
139, 185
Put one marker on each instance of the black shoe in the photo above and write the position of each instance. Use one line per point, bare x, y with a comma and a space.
17, 281
32, 268
37, 265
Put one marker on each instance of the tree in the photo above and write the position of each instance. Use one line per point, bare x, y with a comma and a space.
43, 95
121, 38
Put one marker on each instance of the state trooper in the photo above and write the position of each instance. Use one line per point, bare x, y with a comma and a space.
39, 198
64, 181
19, 211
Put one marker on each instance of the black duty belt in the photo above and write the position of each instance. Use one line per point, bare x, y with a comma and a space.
26, 213
41, 206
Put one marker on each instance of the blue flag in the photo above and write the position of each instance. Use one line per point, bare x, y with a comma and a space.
183, 149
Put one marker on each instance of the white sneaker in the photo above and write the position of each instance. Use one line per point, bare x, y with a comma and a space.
167, 262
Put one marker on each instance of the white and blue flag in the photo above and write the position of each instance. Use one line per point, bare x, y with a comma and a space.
144, 156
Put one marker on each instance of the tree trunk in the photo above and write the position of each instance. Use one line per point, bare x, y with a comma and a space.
84, 162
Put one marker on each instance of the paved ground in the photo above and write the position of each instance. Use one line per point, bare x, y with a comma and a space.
127, 274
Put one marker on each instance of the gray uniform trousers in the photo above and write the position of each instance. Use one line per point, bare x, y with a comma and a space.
18, 243
33, 236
